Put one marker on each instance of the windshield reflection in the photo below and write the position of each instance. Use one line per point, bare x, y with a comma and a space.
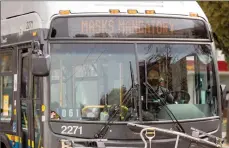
88, 77
182, 76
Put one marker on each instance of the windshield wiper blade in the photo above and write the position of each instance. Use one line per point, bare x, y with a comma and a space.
133, 89
176, 123
102, 132
105, 128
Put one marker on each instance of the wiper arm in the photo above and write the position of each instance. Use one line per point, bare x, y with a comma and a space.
105, 128
134, 88
176, 122
132, 92
102, 132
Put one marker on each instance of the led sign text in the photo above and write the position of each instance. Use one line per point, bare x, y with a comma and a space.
126, 26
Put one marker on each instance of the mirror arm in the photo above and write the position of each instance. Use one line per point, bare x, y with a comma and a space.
37, 52
37, 48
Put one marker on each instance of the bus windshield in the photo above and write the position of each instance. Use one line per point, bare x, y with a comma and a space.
88, 79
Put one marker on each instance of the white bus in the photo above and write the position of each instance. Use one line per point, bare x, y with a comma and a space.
74, 74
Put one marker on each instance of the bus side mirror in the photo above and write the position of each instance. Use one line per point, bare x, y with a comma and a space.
41, 65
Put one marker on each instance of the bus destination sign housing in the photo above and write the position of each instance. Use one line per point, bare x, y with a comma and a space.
128, 27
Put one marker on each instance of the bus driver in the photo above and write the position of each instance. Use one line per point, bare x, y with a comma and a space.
154, 80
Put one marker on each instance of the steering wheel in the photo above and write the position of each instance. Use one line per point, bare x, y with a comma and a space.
154, 102
160, 101
181, 97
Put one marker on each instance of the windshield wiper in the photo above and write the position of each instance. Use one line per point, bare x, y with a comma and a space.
102, 132
176, 122
117, 108
132, 91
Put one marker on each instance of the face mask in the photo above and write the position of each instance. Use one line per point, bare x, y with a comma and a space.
154, 82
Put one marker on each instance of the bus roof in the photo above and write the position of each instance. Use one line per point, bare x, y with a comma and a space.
45, 10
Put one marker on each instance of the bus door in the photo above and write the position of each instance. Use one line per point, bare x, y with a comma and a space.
7, 94
37, 104
30, 103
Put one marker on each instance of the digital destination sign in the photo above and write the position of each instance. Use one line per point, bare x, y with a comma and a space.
128, 27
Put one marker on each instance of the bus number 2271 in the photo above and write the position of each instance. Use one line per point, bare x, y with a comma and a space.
71, 130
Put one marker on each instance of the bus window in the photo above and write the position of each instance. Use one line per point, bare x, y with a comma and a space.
36, 88
6, 97
37, 125
5, 62
24, 78
24, 116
